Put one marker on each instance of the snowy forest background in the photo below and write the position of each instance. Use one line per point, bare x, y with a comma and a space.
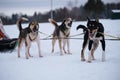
92, 8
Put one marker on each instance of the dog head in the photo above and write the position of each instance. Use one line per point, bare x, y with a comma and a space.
68, 22
34, 26
92, 26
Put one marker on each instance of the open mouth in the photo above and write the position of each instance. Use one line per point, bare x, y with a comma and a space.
92, 35
69, 23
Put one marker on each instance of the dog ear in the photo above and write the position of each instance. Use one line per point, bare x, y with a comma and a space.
38, 25
88, 18
64, 20
97, 20
31, 25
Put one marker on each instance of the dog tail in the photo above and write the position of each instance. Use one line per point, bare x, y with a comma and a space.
53, 22
83, 27
20, 21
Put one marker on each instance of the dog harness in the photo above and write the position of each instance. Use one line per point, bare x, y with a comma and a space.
33, 38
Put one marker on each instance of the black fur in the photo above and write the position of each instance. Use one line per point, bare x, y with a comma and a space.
61, 31
91, 25
27, 35
62, 28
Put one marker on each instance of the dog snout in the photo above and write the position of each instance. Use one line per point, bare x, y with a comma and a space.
35, 29
70, 23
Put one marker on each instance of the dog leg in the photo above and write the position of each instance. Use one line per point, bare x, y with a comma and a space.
64, 44
39, 49
103, 48
19, 46
82, 55
26, 50
89, 57
94, 47
29, 51
53, 44
83, 49
92, 54
60, 46
90, 47
19, 50
103, 56
68, 45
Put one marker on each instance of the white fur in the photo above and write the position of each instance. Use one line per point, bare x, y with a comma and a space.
89, 56
23, 18
49, 20
63, 36
103, 56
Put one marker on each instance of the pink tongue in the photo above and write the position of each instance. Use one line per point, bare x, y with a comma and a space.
91, 35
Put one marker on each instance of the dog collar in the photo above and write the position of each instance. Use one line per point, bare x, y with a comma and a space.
32, 39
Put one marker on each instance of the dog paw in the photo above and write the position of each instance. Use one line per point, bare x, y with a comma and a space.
93, 59
52, 51
18, 56
69, 53
61, 54
30, 56
103, 60
40, 56
82, 59
65, 52
89, 61
27, 58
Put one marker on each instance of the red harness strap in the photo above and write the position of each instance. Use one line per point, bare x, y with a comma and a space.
2, 34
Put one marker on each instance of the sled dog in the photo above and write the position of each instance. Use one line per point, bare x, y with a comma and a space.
28, 35
62, 33
92, 36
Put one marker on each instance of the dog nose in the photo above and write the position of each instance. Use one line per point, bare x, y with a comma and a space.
70, 24
90, 31
34, 29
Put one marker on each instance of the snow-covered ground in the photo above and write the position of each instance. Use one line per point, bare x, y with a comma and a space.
66, 67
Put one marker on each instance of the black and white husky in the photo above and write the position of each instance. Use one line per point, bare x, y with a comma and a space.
92, 37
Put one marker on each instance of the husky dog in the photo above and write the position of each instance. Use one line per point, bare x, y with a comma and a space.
28, 35
62, 33
92, 37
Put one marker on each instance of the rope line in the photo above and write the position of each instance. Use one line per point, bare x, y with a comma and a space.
48, 36
78, 39
118, 38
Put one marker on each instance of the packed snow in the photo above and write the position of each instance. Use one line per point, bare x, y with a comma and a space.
66, 67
